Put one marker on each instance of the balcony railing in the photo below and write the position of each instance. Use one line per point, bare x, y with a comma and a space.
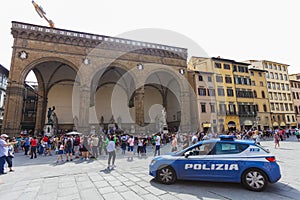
231, 113
248, 114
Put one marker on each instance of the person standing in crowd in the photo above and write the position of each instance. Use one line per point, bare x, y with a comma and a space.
10, 153
60, 152
276, 139
111, 150
174, 143
131, 144
157, 144
95, 142
186, 142
33, 144
195, 138
145, 143
26, 145
104, 143
69, 148
76, 146
3, 152
140, 146
297, 135
123, 144
100, 144
84, 148
281, 134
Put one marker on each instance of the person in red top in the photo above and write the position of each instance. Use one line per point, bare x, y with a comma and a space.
33, 144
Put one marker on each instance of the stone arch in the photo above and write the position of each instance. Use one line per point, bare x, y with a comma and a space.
33, 64
183, 83
180, 88
96, 75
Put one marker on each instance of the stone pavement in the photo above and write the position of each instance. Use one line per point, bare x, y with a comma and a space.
42, 178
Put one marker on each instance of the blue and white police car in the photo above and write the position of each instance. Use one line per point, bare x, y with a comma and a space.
222, 160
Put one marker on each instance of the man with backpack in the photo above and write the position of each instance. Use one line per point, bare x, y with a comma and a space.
69, 148
76, 146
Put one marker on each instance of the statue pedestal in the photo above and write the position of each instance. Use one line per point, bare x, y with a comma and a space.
164, 128
48, 129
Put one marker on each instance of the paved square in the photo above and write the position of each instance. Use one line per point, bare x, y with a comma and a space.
42, 178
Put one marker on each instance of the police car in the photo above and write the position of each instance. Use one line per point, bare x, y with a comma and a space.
222, 160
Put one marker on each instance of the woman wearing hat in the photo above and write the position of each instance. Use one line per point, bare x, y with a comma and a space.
3, 152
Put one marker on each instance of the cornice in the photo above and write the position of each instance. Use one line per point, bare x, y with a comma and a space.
67, 37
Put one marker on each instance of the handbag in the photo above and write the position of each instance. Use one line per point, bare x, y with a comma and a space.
11, 152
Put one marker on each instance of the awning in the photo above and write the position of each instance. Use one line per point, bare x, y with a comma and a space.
294, 124
275, 124
282, 124
248, 123
206, 125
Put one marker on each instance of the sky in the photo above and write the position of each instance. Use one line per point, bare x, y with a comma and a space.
231, 29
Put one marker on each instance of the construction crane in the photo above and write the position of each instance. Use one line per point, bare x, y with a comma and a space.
42, 14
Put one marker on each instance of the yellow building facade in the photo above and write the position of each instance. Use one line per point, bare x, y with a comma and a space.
279, 92
261, 100
221, 97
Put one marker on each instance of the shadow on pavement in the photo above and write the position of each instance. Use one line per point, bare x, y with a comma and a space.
106, 171
206, 189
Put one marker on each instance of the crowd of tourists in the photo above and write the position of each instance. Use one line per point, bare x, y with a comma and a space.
73, 146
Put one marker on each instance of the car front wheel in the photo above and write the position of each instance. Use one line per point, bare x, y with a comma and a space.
166, 175
255, 180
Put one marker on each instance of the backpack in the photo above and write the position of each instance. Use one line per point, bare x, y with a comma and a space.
76, 142
69, 143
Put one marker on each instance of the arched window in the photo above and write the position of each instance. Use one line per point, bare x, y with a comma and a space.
254, 93
265, 108
263, 95
296, 109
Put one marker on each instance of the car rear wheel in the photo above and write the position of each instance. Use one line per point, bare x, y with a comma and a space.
166, 175
255, 180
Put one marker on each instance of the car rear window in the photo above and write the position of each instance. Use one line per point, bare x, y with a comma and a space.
230, 148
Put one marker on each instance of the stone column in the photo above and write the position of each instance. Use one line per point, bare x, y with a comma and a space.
139, 108
13, 109
40, 113
185, 124
84, 106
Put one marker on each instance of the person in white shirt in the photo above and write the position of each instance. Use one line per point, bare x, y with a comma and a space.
157, 145
111, 150
195, 138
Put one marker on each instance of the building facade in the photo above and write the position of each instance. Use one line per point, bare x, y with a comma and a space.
3, 84
29, 108
295, 89
93, 80
279, 92
261, 100
245, 96
221, 76
202, 79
